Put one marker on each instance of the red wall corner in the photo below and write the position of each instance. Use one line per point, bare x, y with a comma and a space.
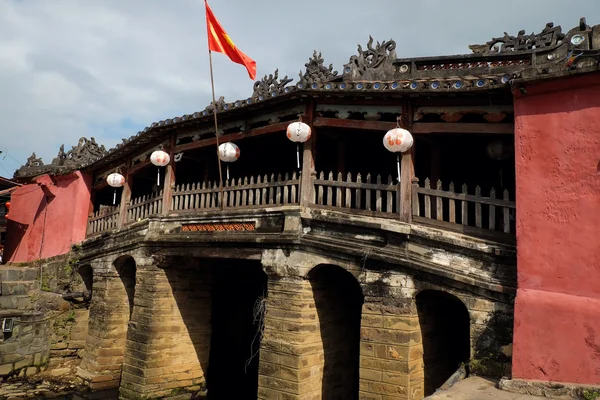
557, 312
47, 216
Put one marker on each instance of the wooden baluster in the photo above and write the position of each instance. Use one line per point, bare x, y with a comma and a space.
134, 210
238, 193
390, 196
192, 196
320, 189
226, 193
416, 208
174, 201
348, 191
257, 192
506, 213
465, 208
378, 194
293, 192
272, 190
452, 204
492, 209
439, 207
196, 195
216, 197
245, 192
358, 192
142, 205
286, 189
251, 192
427, 185
146, 207
265, 191
278, 190
176, 197
186, 201
338, 192
160, 201
229, 196
202, 198
368, 194
478, 206
330, 190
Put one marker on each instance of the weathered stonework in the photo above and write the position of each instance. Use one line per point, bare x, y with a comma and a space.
168, 339
342, 306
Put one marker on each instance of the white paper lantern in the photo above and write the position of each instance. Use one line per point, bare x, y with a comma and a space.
398, 140
229, 152
160, 158
115, 180
298, 132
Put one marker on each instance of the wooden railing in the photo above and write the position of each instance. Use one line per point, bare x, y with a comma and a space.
362, 197
144, 206
469, 213
465, 211
103, 220
243, 193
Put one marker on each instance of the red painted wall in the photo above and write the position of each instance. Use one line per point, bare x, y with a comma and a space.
47, 216
557, 309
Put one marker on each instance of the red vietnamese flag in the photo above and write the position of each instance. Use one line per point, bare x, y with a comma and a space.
219, 41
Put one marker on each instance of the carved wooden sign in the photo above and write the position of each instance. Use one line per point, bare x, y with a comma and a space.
219, 227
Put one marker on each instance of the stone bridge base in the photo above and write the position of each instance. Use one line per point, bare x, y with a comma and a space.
282, 326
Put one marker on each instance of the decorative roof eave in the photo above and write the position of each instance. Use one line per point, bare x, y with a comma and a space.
376, 70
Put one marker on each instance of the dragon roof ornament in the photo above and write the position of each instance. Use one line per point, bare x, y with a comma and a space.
316, 71
269, 86
374, 63
376, 68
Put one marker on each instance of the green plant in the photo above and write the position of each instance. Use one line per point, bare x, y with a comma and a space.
590, 394
45, 286
70, 317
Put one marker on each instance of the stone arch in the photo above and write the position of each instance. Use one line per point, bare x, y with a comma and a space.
126, 269
445, 328
338, 299
109, 315
86, 272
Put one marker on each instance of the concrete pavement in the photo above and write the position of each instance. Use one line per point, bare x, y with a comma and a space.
477, 388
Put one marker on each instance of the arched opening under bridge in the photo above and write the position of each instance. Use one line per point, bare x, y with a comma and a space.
338, 300
445, 329
239, 291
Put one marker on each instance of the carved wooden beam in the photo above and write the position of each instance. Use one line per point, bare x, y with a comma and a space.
423, 128
354, 124
232, 137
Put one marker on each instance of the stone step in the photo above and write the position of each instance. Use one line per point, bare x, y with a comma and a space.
11, 288
12, 274
16, 302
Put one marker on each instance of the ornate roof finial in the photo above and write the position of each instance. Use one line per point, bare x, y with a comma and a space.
270, 84
316, 71
374, 63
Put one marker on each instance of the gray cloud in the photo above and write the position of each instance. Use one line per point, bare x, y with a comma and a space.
108, 68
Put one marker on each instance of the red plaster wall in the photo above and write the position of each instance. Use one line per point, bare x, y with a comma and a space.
38, 228
557, 310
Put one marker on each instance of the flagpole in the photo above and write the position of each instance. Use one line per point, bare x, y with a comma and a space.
214, 102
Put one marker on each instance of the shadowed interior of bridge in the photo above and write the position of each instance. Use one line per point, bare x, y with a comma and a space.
238, 290
338, 300
444, 322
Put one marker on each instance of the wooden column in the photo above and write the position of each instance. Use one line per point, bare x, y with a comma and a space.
169, 183
407, 168
125, 195
307, 188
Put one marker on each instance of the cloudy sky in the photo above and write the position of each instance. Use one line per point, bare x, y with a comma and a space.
108, 68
